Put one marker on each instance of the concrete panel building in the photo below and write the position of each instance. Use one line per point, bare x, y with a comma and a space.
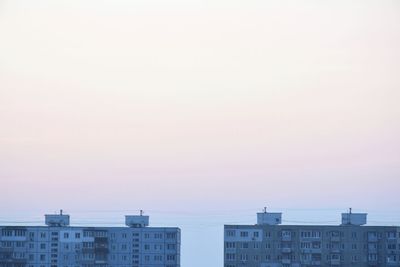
271, 244
59, 245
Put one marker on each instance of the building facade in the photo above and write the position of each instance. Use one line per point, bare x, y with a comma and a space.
270, 244
61, 245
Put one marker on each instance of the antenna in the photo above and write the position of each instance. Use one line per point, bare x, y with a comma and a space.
61, 211
265, 209
350, 209
141, 212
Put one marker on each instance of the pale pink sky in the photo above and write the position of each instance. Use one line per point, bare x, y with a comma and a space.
199, 104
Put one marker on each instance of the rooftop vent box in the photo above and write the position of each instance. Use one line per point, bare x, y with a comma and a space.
269, 218
56, 220
137, 220
354, 218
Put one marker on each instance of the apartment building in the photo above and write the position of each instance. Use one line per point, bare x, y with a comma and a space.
272, 244
60, 245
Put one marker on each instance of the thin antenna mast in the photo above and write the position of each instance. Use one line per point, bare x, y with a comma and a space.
350, 209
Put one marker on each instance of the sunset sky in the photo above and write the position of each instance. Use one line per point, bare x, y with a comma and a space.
200, 112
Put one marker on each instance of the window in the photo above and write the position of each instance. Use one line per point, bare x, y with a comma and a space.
310, 234
171, 246
19, 232
244, 257
5, 232
335, 257
230, 233
171, 258
286, 233
372, 257
230, 245
171, 235
244, 234
391, 235
158, 257
158, 235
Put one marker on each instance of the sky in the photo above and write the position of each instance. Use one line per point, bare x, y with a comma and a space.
199, 112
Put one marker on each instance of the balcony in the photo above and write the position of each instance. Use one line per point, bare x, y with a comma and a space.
315, 238
372, 238
86, 260
335, 262
311, 251
316, 250
335, 239
316, 263
13, 238
13, 261
286, 261
392, 236
6, 249
286, 250
232, 250
101, 250
87, 250
306, 250
286, 238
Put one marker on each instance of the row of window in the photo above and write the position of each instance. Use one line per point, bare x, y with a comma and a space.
309, 245
310, 234
77, 235
305, 257
89, 256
